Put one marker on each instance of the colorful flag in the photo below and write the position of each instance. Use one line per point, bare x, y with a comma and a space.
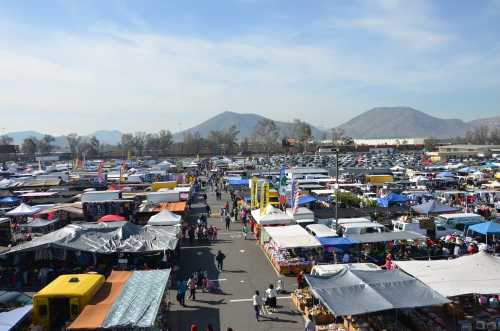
296, 199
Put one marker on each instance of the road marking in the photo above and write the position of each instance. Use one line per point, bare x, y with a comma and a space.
242, 281
242, 251
218, 280
248, 300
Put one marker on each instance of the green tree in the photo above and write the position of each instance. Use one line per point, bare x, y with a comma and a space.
45, 145
6, 140
74, 143
266, 133
165, 141
30, 146
302, 132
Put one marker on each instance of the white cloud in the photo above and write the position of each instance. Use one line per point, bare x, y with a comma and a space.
114, 78
411, 23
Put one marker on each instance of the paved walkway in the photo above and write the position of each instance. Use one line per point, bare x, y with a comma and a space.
246, 269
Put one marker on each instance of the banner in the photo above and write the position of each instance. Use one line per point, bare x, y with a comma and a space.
253, 193
264, 197
282, 186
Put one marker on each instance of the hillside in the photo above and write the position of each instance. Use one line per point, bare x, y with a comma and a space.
244, 122
105, 137
492, 122
401, 122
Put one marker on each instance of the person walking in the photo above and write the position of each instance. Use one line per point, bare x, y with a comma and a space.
181, 292
220, 260
310, 325
191, 284
271, 298
257, 304
228, 222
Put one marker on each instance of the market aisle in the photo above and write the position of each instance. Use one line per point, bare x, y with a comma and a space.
245, 270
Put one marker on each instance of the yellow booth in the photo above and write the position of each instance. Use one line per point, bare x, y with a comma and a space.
64, 298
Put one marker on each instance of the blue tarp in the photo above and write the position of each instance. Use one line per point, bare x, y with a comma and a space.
391, 199
486, 228
445, 174
304, 199
468, 170
10, 200
10, 319
238, 182
139, 300
336, 241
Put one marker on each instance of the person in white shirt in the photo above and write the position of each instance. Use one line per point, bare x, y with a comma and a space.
257, 303
310, 325
271, 297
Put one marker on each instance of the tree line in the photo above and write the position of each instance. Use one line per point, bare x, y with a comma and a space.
267, 137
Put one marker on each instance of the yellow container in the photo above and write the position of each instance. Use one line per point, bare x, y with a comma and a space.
64, 299
379, 179
159, 185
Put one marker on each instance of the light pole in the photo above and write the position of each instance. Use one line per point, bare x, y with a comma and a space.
337, 188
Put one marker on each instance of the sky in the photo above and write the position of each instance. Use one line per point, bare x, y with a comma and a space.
82, 65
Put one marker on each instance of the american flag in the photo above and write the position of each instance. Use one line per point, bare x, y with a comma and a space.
296, 200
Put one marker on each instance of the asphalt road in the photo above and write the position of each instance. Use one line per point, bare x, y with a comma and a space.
246, 269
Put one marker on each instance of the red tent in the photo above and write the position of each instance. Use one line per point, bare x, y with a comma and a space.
112, 218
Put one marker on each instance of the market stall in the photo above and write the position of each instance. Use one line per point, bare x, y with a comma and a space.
354, 297
271, 216
290, 249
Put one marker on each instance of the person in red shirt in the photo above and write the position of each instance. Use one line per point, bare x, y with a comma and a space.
194, 327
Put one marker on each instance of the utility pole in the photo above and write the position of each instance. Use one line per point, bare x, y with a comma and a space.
337, 188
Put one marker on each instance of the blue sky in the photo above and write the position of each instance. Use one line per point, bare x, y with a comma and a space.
146, 65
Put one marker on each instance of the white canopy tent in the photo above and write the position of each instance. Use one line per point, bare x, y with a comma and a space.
290, 236
23, 210
471, 274
272, 216
165, 217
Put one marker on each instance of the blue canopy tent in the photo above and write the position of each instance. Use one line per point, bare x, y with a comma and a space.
337, 243
391, 199
445, 174
10, 200
433, 207
486, 228
238, 182
467, 170
303, 200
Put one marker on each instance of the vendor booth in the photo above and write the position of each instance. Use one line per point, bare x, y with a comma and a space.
165, 217
355, 297
271, 216
290, 249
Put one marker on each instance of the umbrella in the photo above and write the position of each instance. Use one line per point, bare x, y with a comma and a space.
112, 218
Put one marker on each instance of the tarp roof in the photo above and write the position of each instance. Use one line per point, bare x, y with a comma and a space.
391, 198
93, 315
433, 207
271, 216
471, 274
139, 301
23, 210
336, 241
39, 223
291, 236
385, 236
486, 228
355, 292
10, 319
165, 217
304, 199
106, 238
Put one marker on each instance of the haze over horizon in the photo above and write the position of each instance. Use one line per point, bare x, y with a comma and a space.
73, 66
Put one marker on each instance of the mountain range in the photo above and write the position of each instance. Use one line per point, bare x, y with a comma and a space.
381, 122
245, 123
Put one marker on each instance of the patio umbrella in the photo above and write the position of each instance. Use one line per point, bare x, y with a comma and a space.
112, 218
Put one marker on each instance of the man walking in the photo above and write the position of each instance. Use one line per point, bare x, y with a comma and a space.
191, 284
228, 222
257, 303
220, 260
